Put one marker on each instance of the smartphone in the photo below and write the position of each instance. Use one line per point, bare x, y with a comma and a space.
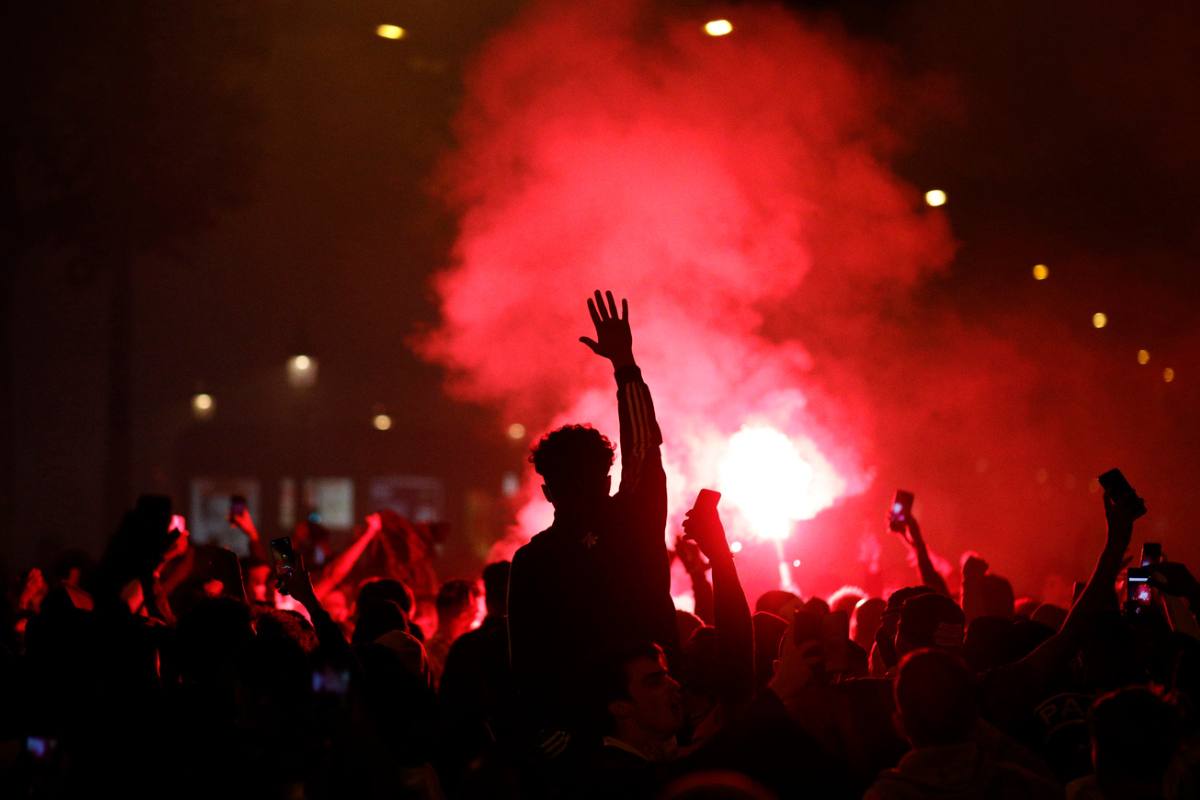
901, 510
707, 499
285, 556
331, 681
1138, 590
1151, 553
237, 506
40, 747
1117, 487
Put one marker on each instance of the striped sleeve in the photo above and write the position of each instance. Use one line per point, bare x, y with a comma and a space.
640, 436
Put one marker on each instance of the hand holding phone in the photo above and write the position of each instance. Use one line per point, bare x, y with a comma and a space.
284, 557
702, 524
1175, 579
293, 579
900, 512
1121, 493
1139, 593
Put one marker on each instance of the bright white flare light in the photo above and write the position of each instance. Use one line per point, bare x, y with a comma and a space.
765, 478
718, 27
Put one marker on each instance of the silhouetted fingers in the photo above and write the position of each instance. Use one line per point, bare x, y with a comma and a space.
624, 310
600, 306
593, 312
594, 345
612, 305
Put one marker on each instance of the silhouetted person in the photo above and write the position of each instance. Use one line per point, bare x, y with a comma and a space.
456, 612
937, 711
598, 578
1134, 735
476, 691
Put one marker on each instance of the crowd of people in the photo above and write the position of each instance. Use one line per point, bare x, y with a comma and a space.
169, 669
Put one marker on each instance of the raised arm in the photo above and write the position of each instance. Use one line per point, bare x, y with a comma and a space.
1029, 676
340, 567
641, 500
641, 463
929, 575
298, 584
688, 553
1180, 594
245, 523
735, 630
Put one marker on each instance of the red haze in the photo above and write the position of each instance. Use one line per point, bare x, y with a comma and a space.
718, 184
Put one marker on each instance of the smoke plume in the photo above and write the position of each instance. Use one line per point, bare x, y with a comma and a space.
738, 190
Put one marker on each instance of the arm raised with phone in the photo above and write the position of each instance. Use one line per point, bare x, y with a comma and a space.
901, 520
735, 631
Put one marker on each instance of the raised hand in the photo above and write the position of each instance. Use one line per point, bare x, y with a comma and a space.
614, 340
688, 553
703, 526
1174, 579
1120, 514
298, 584
244, 523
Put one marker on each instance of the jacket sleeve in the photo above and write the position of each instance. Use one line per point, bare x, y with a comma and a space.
735, 633
643, 481
642, 497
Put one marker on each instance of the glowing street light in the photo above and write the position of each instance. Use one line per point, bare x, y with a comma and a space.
718, 27
203, 406
1168, 375
302, 371
1143, 357
516, 431
1099, 319
393, 32
382, 422
1040, 272
935, 198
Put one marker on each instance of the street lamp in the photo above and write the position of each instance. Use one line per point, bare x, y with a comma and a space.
302, 371
203, 406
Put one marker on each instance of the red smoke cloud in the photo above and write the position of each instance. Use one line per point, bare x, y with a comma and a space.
719, 184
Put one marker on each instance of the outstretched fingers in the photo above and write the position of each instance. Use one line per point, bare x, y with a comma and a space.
612, 305
600, 307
